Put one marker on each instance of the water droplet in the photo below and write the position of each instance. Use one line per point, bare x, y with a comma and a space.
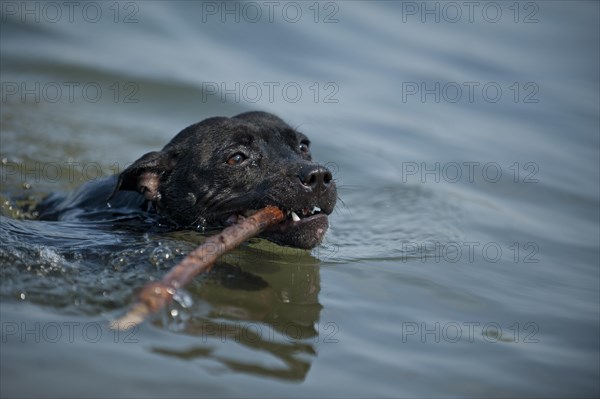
22, 296
160, 255
118, 263
183, 299
174, 312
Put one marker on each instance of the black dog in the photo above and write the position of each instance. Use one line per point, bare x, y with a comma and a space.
212, 173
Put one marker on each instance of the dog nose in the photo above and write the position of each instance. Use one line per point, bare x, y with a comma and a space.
315, 177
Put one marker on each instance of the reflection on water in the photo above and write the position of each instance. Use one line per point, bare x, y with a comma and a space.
275, 313
261, 296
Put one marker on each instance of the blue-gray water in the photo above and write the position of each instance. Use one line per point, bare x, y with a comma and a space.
463, 261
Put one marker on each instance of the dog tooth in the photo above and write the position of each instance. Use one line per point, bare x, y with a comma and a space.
316, 209
295, 217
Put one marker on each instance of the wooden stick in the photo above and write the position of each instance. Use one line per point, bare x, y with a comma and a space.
154, 296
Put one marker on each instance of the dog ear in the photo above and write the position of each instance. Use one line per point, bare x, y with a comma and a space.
145, 174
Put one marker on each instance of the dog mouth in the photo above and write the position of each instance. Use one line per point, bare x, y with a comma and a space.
302, 228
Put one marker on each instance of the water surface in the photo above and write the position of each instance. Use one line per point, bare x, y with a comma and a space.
462, 259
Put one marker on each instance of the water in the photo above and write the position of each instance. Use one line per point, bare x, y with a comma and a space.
463, 260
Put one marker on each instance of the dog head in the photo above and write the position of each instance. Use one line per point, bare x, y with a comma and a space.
219, 169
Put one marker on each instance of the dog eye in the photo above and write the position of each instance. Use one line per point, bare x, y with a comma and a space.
236, 159
303, 147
